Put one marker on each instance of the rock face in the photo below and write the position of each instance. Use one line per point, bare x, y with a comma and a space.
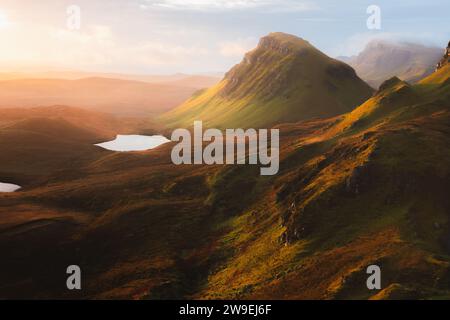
271, 43
445, 59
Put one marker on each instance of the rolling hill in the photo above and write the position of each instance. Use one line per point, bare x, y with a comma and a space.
285, 79
38, 142
381, 60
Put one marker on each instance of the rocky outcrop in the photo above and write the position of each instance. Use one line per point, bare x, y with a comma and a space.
271, 43
445, 59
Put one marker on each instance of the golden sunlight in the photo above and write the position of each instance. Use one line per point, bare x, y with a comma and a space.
3, 20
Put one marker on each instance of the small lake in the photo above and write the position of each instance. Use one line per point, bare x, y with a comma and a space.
133, 143
8, 187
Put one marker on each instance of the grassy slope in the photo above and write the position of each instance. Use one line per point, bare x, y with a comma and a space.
372, 192
285, 79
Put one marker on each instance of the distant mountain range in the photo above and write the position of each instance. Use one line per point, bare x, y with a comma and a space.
189, 80
125, 97
381, 60
285, 79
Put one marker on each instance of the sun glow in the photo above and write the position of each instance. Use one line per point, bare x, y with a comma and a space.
3, 20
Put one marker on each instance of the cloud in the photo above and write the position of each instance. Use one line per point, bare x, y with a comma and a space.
160, 53
229, 5
320, 20
357, 42
95, 47
237, 48
3, 20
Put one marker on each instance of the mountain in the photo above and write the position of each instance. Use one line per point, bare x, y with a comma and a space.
285, 79
381, 60
120, 97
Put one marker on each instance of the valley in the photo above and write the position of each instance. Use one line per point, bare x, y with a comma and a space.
363, 179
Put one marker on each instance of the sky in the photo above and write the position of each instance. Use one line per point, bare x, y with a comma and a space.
197, 36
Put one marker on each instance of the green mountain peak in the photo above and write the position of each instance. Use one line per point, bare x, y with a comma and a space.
284, 79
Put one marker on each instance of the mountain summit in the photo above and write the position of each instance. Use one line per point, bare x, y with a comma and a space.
284, 79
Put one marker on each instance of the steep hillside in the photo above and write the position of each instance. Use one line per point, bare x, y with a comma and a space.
381, 60
285, 79
369, 189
